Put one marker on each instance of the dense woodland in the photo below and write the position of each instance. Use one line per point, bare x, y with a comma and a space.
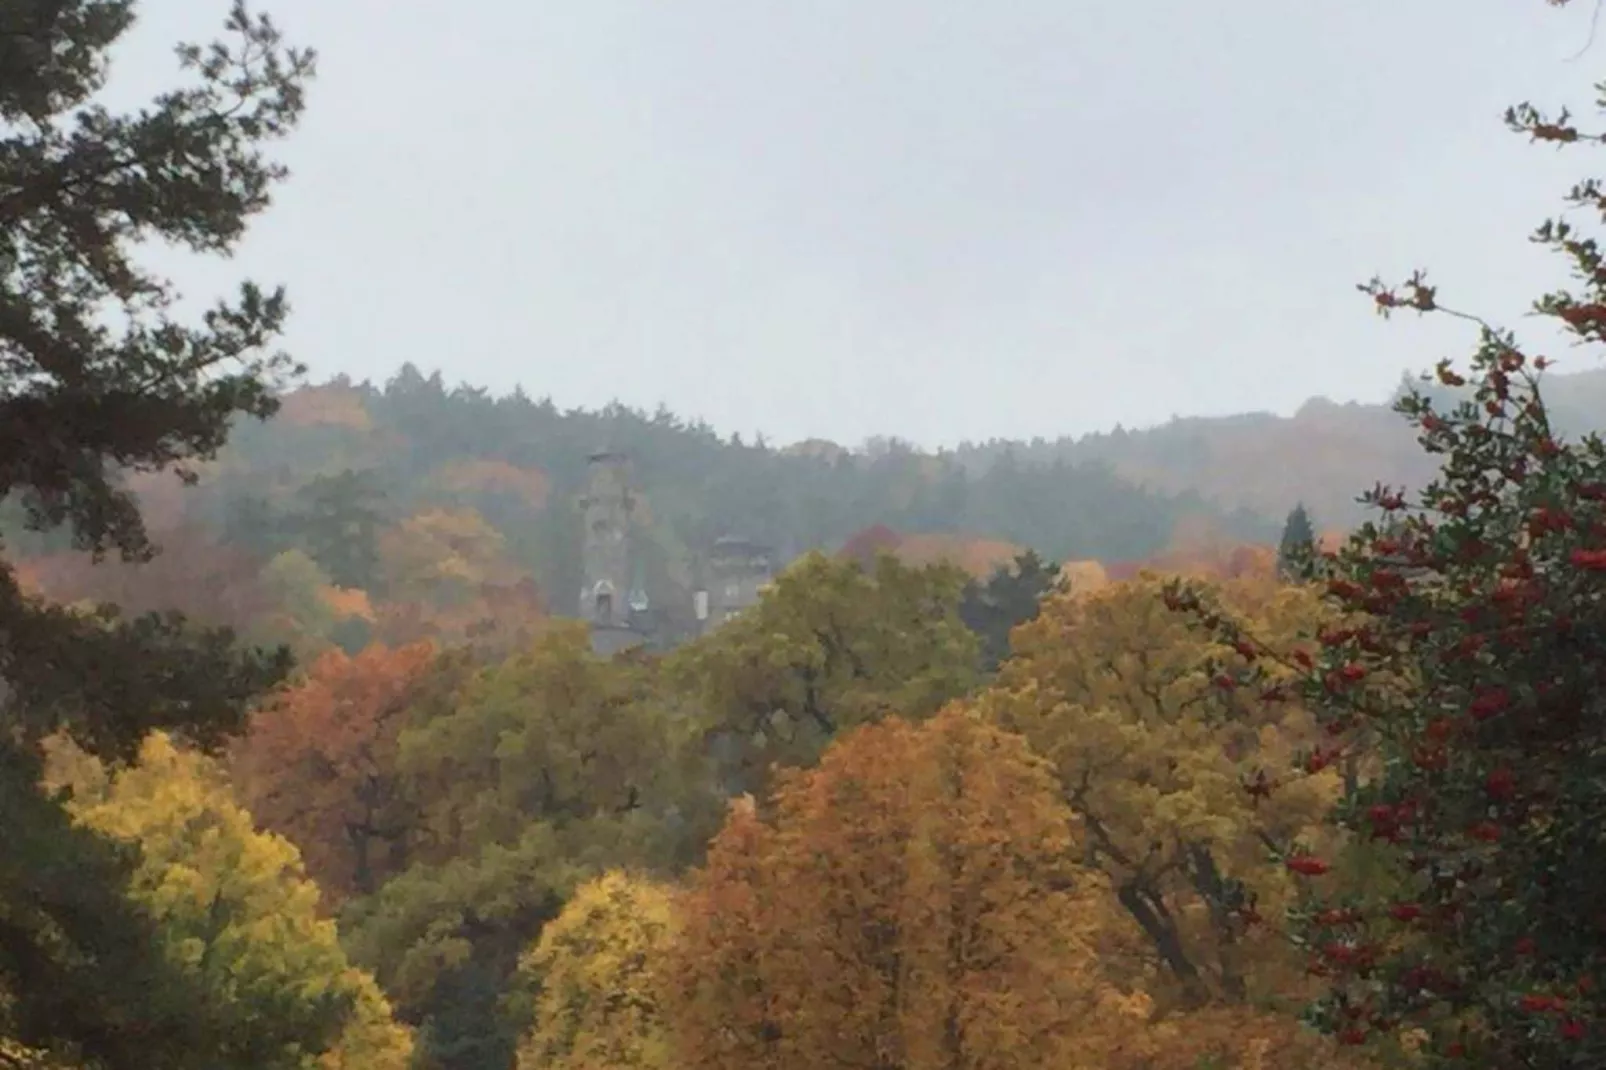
1017, 763
410, 510
362, 479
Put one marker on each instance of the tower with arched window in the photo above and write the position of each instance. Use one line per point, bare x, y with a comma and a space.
607, 511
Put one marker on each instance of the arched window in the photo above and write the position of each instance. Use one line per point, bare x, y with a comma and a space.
602, 602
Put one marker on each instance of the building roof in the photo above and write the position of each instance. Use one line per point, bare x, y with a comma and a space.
737, 544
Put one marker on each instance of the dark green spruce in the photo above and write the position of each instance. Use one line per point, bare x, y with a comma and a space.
1298, 544
1009, 598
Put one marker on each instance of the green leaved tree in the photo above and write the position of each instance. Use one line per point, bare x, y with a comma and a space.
338, 520
830, 646
541, 771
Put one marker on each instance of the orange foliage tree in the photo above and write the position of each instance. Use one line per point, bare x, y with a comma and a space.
448, 577
913, 903
867, 545
478, 475
329, 405
318, 765
1200, 549
193, 573
979, 557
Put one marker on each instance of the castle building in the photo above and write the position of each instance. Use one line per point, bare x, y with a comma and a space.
738, 571
612, 598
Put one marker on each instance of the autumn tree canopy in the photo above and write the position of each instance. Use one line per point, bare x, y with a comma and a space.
320, 764
447, 574
1090, 818
596, 968
1153, 756
234, 911
537, 772
914, 903
830, 646
1483, 773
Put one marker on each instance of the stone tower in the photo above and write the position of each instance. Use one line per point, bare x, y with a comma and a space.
606, 509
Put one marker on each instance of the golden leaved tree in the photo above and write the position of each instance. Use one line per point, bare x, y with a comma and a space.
448, 575
599, 1007
913, 904
442, 556
234, 907
1158, 760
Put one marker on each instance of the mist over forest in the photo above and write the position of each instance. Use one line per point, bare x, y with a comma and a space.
408, 724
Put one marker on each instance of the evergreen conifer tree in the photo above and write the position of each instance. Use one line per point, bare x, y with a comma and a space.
97, 378
1297, 545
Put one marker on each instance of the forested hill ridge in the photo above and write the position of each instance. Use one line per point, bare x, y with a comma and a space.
415, 433
1174, 799
388, 492
1117, 495
372, 479
1324, 455
390, 498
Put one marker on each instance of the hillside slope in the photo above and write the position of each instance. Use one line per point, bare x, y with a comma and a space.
414, 509
417, 494
1325, 455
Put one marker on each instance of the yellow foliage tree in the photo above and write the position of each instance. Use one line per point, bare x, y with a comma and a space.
598, 1007
443, 556
1226, 1037
1159, 762
1082, 576
448, 576
914, 904
233, 905
16, 1056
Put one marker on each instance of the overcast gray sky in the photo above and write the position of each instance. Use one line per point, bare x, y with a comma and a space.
938, 219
